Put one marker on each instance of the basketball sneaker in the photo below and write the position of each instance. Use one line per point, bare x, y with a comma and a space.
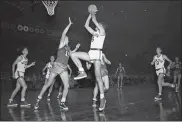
173, 86
94, 104
24, 104
12, 104
158, 97
102, 104
63, 106
36, 106
48, 98
81, 75
176, 89
59, 94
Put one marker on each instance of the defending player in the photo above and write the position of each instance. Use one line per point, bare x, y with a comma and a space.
70, 70
59, 68
177, 73
104, 75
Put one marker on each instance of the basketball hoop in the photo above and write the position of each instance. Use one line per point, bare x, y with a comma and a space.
50, 6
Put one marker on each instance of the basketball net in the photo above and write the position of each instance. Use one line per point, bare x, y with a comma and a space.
50, 6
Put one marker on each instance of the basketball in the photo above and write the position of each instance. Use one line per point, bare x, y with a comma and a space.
92, 9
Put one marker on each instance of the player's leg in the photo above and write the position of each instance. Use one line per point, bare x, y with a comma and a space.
163, 71
50, 90
95, 93
60, 92
121, 85
15, 91
159, 82
44, 88
45, 81
76, 56
106, 82
65, 79
118, 82
105, 78
167, 84
179, 81
23, 92
174, 77
97, 67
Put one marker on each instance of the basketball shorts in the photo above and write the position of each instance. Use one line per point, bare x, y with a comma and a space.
121, 75
161, 71
19, 74
176, 72
95, 55
104, 71
58, 68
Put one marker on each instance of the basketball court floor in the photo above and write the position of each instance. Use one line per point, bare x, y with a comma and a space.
132, 103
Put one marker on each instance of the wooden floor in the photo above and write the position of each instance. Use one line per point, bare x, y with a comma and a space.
133, 103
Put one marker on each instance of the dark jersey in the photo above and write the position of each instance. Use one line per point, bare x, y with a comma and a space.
177, 66
120, 70
63, 55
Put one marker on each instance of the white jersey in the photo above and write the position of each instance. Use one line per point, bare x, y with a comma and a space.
21, 66
159, 62
49, 66
97, 41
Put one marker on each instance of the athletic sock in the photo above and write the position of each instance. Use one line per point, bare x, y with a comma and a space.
22, 99
94, 99
39, 97
101, 96
81, 69
10, 100
63, 100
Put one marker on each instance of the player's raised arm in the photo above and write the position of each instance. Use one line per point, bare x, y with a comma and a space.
99, 26
170, 62
89, 29
64, 33
14, 64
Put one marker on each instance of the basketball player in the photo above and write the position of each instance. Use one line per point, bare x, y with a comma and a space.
48, 67
59, 68
21, 63
70, 70
104, 75
159, 61
177, 72
94, 55
120, 73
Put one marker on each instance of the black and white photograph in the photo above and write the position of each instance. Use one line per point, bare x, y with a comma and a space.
90, 60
